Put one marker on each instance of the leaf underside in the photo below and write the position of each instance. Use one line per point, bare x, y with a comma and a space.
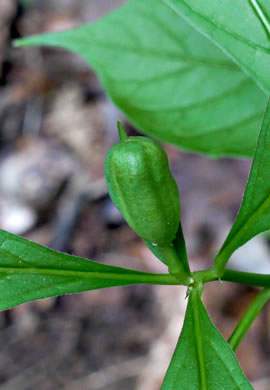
172, 82
203, 360
242, 29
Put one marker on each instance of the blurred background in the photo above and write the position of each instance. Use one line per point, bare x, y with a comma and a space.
56, 126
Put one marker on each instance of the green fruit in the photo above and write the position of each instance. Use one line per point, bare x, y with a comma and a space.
143, 189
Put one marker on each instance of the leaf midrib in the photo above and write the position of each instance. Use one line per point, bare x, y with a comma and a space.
140, 277
140, 51
199, 342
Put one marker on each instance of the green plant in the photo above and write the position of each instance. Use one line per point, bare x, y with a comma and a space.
197, 78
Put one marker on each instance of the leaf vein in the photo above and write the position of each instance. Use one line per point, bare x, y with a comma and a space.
228, 32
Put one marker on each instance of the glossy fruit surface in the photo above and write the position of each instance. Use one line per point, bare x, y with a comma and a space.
143, 189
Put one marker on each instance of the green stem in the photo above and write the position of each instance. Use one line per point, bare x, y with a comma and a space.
229, 275
122, 133
205, 276
175, 265
248, 278
180, 248
222, 258
250, 315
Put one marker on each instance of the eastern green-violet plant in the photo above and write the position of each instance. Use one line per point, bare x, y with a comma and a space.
194, 74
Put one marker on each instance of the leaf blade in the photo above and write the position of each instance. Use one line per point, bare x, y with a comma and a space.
200, 353
254, 214
169, 80
242, 31
29, 271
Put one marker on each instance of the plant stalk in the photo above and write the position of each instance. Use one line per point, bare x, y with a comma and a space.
229, 275
248, 318
175, 265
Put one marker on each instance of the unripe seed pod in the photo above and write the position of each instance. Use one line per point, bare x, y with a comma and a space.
143, 189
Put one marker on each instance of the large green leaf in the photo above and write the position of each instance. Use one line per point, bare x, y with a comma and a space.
254, 213
241, 28
31, 271
171, 81
203, 360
